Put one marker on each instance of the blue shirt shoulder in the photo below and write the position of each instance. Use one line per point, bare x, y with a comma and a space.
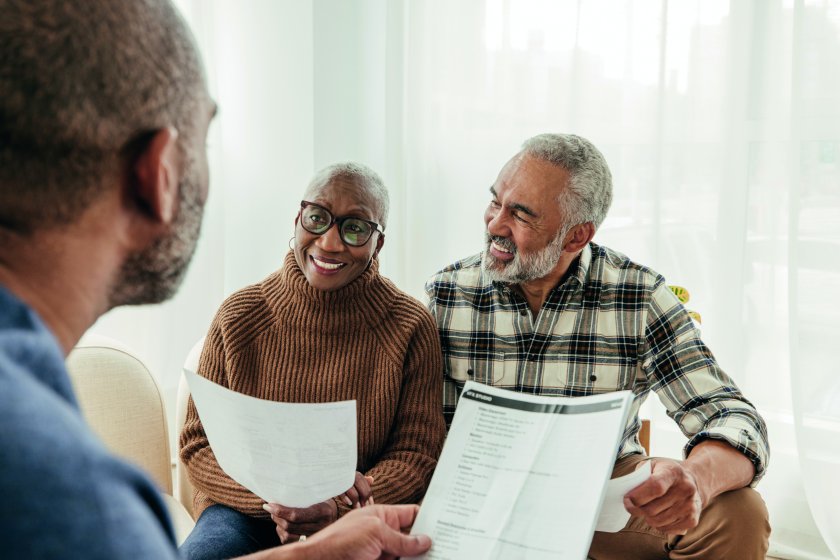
64, 494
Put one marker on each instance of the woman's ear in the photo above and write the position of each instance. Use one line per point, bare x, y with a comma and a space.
379, 243
157, 175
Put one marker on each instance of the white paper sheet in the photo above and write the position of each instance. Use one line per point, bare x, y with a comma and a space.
613, 516
521, 476
287, 453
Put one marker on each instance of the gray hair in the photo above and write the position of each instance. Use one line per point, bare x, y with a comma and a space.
82, 86
362, 175
589, 193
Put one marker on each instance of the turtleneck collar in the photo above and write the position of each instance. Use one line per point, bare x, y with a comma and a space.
291, 296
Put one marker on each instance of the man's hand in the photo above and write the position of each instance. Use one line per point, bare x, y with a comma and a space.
670, 500
371, 533
292, 523
360, 494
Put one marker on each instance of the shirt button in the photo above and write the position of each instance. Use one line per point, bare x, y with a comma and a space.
593, 377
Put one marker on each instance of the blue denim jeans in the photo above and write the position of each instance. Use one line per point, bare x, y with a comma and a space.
222, 532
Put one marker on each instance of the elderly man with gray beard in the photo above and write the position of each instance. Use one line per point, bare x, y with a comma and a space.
544, 310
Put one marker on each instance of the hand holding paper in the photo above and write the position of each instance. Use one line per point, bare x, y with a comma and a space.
669, 500
292, 523
614, 515
292, 454
360, 494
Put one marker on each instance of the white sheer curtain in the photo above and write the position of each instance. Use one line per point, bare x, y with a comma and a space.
720, 120
260, 66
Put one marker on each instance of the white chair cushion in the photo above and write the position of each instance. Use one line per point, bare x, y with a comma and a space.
121, 401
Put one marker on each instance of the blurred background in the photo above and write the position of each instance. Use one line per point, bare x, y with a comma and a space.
720, 120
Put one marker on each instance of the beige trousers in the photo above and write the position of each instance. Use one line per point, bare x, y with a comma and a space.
734, 526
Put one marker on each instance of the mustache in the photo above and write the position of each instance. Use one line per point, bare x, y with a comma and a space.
502, 242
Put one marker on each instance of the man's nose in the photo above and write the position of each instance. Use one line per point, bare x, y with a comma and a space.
497, 223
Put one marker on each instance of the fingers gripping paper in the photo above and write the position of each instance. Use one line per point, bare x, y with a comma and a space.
613, 516
292, 454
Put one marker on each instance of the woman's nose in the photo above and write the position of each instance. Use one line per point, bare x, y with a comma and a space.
331, 240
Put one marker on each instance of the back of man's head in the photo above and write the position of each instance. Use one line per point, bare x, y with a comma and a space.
82, 86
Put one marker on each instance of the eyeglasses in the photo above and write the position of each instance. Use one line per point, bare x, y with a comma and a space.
318, 220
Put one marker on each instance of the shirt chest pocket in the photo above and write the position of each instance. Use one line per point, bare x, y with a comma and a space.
499, 368
592, 376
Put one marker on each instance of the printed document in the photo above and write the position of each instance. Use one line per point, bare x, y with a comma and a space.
288, 453
522, 476
613, 516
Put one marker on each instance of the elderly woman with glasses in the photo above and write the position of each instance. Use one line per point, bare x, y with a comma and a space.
325, 327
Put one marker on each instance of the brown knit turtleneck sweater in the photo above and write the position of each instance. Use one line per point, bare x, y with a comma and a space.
284, 340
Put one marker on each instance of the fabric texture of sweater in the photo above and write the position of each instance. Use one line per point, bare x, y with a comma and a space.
285, 341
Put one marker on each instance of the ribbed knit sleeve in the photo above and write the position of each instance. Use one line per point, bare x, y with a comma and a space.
211, 484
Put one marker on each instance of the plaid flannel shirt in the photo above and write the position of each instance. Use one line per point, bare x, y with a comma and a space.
611, 325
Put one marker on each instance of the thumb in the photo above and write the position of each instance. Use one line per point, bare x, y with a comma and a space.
398, 544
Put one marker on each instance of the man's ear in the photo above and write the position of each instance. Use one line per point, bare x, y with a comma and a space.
379, 243
579, 236
157, 174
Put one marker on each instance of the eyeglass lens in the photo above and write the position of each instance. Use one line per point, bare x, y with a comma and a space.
353, 231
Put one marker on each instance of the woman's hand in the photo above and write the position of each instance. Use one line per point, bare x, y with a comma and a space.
293, 523
360, 494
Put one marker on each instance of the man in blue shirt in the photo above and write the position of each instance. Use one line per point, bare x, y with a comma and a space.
103, 178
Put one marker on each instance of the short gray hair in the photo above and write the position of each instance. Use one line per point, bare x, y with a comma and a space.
589, 193
361, 174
